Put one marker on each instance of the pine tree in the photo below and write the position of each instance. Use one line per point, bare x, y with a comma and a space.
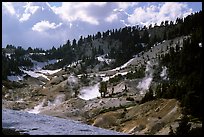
112, 91
184, 127
103, 88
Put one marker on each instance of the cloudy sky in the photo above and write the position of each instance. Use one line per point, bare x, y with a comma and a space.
47, 24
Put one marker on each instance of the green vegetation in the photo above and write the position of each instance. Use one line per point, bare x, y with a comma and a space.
148, 96
184, 70
84, 79
132, 40
116, 79
137, 74
130, 99
184, 66
10, 64
184, 126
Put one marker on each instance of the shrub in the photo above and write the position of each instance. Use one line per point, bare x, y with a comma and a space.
130, 99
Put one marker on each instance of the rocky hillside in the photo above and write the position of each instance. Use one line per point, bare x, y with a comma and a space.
120, 110
147, 91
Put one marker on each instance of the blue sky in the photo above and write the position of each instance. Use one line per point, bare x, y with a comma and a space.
47, 24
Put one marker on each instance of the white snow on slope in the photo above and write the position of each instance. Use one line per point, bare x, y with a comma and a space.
8, 55
49, 72
106, 78
123, 66
74, 63
37, 70
37, 53
34, 74
90, 92
103, 59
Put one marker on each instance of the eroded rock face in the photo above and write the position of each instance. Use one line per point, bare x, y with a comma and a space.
152, 117
107, 120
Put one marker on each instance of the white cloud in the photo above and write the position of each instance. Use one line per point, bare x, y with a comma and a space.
142, 15
125, 5
157, 14
92, 12
29, 10
21, 10
188, 12
24, 17
85, 18
70, 25
172, 8
45, 25
118, 14
123, 21
9, 7
88, 4
111, 18
73, 11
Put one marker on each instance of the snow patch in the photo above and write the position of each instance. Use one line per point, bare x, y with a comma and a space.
123, 66
74, 63
105, 79
40, 53
49, 72
127, 63
8, 55
37, 71
103, 59
34, 74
